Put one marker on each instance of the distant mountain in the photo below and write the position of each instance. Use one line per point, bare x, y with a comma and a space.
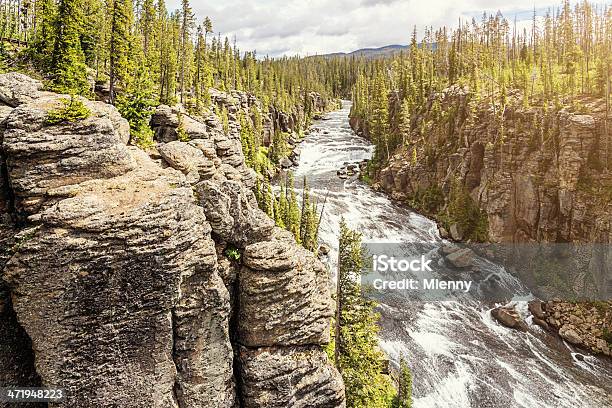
370, 52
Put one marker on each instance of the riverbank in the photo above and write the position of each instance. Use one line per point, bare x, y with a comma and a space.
454, 349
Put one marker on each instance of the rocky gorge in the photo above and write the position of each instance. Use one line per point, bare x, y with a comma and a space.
535, 179
117, 277
538, 173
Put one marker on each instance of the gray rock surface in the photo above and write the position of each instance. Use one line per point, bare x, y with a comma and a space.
208, 130
284, 295
103, 272
16, 88
117, 273
188, 158
233, 212
41, 158
289, 377
115, 279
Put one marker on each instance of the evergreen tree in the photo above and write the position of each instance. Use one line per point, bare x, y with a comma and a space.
404, 389
187, 24
68, 62
292, 221
44, 40
356, 353
120, 45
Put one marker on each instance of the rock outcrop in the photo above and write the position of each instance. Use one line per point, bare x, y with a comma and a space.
538, 175
509, 317
115, 268
235, 107
586, 325
206, 134
303, 372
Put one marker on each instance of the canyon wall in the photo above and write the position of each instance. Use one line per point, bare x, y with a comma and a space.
538, 174
120, 279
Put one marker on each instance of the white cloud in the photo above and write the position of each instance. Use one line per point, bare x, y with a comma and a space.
289, 27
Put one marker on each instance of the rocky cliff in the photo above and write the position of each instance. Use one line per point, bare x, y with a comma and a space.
120, 278
168, 122
534, 174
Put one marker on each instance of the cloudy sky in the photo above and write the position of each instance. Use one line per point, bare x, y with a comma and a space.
308, 27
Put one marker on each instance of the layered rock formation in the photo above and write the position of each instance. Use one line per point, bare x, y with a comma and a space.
114, 266
585, 325
173, 123
538, 174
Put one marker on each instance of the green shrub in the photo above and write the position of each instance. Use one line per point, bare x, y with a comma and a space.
181, 133
429, 200
142, 137
232, 254
464, 211
136, 105
72, 110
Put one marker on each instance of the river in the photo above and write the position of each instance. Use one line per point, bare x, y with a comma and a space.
459, 356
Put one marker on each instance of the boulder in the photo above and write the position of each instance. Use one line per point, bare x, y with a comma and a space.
602, 346
535, 307
569, 333
286, 163
462, 258
187, 158
295, 157
324, 249
446, 250
509, 318
443, 233
456, 233
542, 323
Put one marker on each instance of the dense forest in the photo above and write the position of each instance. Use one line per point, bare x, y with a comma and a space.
565, 55
142, 54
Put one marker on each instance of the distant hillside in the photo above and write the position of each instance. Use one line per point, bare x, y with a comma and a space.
371, 52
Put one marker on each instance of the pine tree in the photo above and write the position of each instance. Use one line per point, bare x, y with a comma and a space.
187, 24
292, 221
68, 61
404, 389
44, 40
120, 44
356, 353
